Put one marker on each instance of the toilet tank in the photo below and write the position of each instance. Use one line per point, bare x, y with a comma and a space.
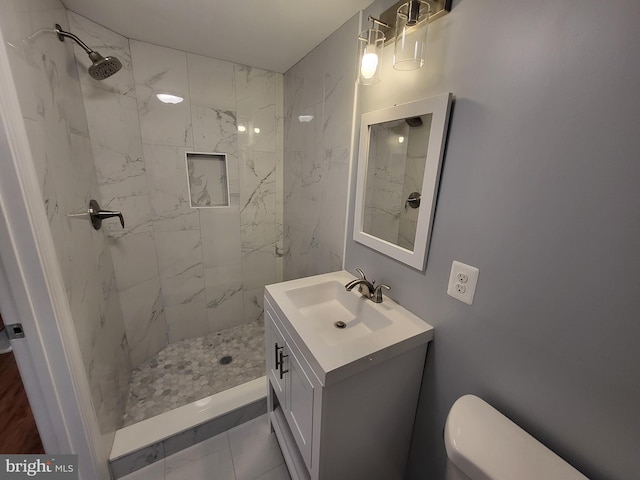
485, 445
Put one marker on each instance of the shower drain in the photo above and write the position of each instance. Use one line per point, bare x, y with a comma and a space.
226, 360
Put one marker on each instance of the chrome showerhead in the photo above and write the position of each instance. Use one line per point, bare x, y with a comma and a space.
101, 67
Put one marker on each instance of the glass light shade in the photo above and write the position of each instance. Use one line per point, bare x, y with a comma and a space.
410, 48
370, 43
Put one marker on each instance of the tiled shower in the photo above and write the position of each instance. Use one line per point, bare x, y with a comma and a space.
184, 272
186, 269
194, 368
178, 277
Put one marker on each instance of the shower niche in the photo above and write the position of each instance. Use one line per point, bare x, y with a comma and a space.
207, 180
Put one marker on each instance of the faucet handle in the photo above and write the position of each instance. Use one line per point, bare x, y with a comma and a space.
102, 214
377, 293
363, 277
96, 215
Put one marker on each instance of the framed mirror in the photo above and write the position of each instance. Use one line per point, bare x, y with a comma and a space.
400, 156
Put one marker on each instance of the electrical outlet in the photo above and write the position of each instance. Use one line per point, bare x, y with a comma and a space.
462, 282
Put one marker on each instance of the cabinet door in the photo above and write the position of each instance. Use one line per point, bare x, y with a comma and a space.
275, 354
300, 411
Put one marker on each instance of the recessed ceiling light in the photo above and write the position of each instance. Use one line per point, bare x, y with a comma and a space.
305, 118
242, 128
256, 130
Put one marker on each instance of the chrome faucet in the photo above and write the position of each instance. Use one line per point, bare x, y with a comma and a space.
367, 288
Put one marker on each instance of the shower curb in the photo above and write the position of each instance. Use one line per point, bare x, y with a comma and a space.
122, 464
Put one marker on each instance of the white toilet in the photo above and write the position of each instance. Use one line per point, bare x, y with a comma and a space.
483, 444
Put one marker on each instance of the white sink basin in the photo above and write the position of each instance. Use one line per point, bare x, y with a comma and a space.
327, 303
312, 306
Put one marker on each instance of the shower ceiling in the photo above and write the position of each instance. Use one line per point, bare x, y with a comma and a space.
272, 34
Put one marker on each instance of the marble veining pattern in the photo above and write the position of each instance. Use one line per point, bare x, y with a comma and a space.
208, 244
162, 70
49, 93
184, 272
189, 370
316, 155
215, 130
112, 115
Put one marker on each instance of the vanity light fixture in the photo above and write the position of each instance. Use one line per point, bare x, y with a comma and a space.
370, 43
405, 23
412, 19
168, 98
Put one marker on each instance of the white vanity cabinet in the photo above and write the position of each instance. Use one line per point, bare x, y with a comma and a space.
275, 354
347, 419
293, 383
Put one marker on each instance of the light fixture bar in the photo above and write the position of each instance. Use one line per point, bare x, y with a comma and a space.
376, 21
387, 19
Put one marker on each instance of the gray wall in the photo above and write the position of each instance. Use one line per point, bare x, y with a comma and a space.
540, 191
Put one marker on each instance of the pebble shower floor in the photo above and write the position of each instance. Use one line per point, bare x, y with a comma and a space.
189, 370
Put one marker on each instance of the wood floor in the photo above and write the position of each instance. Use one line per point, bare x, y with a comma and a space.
18, 432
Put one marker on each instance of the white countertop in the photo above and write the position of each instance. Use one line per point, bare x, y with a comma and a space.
309, 306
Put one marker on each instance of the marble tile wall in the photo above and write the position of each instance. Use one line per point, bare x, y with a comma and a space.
112, 115
185, 272
213, 262
51, 101
316, 154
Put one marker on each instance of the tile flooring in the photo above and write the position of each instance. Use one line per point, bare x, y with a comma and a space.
246, 452
189, 370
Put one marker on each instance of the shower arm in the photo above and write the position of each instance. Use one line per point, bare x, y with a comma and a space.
61, 34
101, 67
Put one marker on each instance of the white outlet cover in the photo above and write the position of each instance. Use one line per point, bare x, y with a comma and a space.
470, 285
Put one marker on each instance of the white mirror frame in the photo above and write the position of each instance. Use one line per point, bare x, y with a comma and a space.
439, 107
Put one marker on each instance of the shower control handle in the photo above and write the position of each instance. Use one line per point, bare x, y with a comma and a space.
102, 214
97, 215
413, 200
